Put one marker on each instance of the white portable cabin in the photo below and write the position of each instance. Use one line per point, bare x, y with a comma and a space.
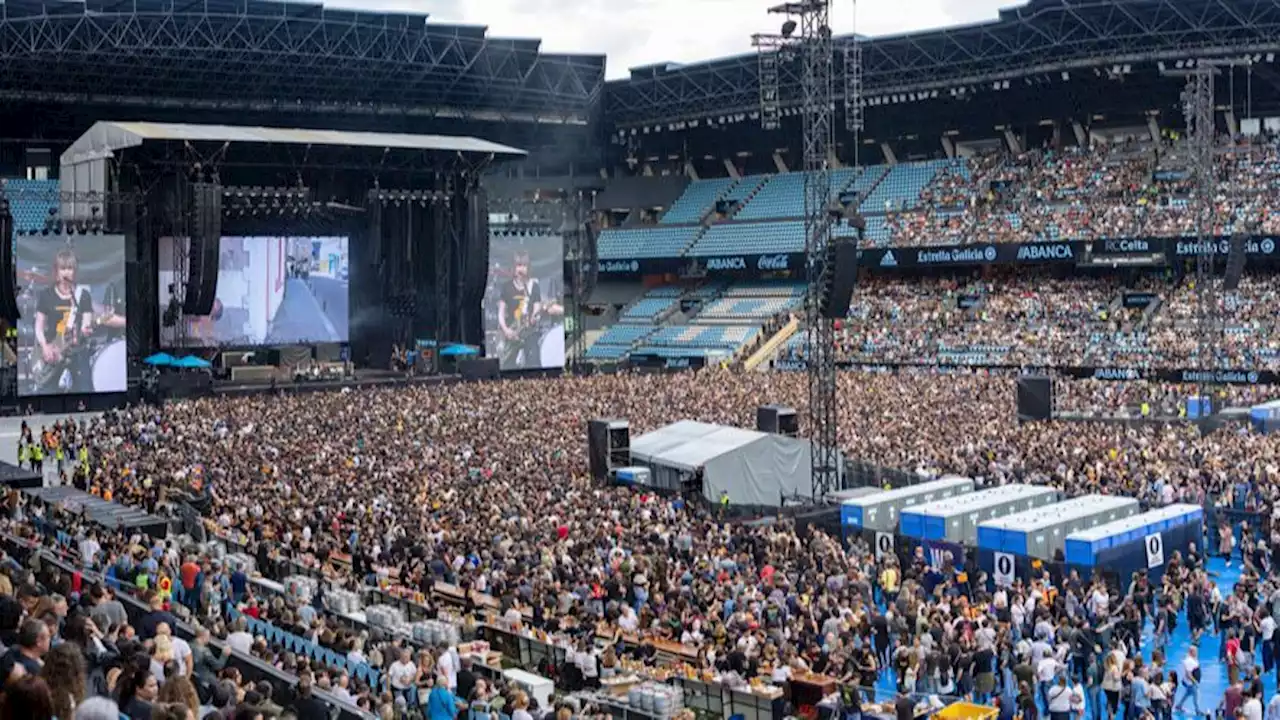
956, 519
879, 511
1042, 532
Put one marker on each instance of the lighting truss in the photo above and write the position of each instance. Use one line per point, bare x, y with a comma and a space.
814, 49
853, 119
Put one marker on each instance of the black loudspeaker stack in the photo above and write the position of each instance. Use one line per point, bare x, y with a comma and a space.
840, 276
202, 259
608, 446
777, 420
1035, 398
1237, 253
8, 283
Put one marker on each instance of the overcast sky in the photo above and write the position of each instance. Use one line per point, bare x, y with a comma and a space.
643, 32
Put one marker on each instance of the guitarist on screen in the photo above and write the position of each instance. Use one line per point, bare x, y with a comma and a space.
519, 310
64, 316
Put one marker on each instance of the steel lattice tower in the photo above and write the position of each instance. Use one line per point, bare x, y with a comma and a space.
1198, 111
812, 47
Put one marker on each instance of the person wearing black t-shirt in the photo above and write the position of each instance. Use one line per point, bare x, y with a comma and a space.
904, 708
519, 310
64, 318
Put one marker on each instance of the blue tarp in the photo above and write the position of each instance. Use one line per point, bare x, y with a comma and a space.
160, 360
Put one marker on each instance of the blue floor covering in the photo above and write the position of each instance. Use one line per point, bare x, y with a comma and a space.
1213, 681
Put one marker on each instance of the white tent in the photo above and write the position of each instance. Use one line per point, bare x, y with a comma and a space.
754, 468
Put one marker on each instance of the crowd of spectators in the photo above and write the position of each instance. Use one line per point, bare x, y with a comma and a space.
484, 486
1128, 189
1035, 320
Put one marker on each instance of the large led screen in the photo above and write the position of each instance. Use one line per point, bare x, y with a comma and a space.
523, 303
271, 291
71, 336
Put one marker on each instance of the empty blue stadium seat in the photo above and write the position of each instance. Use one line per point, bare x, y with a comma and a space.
782, 196
735, 238
697, 200
648, 309
650, 242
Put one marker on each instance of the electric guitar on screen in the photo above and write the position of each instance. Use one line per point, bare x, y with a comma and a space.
71, 348
527, 334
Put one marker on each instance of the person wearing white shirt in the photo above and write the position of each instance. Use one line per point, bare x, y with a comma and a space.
1273, 708
403, 674
1267, 629
448, 666
1252, 708
240, 640
628, 621
1190, 681
1046, 670
1058, 700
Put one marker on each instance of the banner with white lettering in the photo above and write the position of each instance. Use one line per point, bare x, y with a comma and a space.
1004, 570
1155, 551
884, 545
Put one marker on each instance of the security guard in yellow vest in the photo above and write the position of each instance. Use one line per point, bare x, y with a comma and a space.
37, 458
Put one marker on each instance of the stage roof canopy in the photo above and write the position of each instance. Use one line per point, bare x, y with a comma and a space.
107, 137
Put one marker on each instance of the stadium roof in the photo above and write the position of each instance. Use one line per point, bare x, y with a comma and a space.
107, 137
287, 56
1044, 39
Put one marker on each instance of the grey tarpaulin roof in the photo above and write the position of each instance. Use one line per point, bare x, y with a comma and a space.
106, 137
689, 445
751, 467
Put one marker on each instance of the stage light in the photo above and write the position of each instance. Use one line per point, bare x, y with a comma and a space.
788, 28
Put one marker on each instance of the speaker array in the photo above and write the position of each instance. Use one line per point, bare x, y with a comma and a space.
1236, 256
8, 284
206, 236
839, 278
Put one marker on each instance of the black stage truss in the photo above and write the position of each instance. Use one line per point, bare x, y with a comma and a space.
284, 56
1044, 37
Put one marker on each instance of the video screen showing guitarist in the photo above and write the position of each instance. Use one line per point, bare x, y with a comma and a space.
64, 322
519, 309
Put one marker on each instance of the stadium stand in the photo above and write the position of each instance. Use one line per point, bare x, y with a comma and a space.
30, 202
901, 187
1043, 195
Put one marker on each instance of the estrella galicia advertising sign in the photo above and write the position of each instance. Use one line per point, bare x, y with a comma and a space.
1264, 247
979, 254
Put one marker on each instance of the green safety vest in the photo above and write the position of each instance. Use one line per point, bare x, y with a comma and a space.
38, 451
23, 452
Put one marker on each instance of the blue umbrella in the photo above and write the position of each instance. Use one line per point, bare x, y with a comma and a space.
192, 362
455, 350
160, 360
